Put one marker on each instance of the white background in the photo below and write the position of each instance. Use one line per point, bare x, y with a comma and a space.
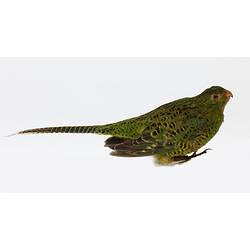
131, 28
54, 92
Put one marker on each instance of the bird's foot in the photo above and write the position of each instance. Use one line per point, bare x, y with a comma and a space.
194, 155
186, 158
163, 160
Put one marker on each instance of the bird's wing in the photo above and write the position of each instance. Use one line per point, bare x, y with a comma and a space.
145, 145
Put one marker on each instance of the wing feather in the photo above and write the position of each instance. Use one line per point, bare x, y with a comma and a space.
145, 145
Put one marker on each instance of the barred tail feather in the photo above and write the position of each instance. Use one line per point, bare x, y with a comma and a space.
66, 129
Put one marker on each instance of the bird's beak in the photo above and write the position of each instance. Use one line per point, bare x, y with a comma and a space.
228, 94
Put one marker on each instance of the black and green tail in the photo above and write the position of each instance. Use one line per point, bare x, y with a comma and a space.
124, 129
67, 129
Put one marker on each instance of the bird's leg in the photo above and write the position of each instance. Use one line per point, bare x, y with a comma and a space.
186, 158
181, 159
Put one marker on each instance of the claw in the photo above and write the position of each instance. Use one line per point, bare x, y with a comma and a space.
202, 153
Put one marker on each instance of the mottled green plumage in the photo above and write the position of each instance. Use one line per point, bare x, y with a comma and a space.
169, 133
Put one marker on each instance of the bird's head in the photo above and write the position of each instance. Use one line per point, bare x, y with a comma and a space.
216, 96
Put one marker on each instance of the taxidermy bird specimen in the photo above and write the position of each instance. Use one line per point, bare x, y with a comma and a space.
172, 133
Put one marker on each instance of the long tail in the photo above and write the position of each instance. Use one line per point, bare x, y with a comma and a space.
66, 129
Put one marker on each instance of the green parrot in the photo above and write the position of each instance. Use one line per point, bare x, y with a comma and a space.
172, 133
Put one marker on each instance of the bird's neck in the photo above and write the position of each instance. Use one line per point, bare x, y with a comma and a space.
216, 114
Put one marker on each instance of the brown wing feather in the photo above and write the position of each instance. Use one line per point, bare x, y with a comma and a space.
143, 146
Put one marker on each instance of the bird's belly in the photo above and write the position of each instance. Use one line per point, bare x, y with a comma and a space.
184, 145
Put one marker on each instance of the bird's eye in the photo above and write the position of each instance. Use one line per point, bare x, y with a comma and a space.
215, 97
